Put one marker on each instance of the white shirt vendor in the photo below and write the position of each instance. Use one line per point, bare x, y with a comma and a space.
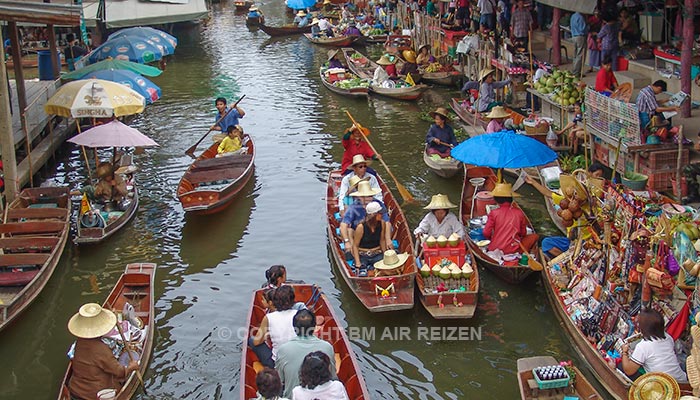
658, 355
430, 225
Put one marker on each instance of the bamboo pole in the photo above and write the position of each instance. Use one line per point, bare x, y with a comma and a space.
679, 165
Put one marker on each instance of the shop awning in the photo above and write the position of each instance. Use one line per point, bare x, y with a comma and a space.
582, 6
40, 13
125, 13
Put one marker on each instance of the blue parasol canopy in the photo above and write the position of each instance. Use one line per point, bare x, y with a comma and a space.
149, 90
300, 4
160, 38
505, 149
128, 48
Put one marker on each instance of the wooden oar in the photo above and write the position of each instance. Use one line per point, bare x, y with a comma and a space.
531, 262
190, 151
405, 194
127, 345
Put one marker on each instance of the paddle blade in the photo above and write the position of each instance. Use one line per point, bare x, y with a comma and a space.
534, 264
405, 194
190, 151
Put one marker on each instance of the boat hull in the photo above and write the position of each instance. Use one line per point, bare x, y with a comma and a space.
98, 234
340, 41
359, 92
443, 168
284, 30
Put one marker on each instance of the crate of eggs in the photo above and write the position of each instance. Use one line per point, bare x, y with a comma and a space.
446, 275
551, 377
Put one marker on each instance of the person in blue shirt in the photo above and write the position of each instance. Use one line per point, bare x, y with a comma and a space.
441, 137
230, 119
315, 30
579, 31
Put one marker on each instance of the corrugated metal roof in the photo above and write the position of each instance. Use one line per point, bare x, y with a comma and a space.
39, 12
582, 6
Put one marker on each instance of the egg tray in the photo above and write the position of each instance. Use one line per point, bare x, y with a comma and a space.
551, 383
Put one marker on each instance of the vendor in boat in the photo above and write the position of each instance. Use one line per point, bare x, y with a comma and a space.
300, 19
506, 226
224, 120
386, 69
254, 12
441, 137
369, 241
487, 90
232, 143
655, 352
354, 143
439, 221
497, 115
424, 57
355, 213
359, 168
110, 187
352, 30
410, 66
94, 366
346, 14
325, 26
275, 326
315, 30
333, 61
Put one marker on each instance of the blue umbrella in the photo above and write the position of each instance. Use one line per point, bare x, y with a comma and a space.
149, 90
505, 149
128, 48
169, 42
300, 4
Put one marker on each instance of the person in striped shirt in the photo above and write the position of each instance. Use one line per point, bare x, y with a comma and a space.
648, 106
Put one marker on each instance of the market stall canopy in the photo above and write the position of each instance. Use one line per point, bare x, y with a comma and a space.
113, 134
582, 6
169, 42
112, 63
94, 98
300, 4
505, 149
40, 12
122, 14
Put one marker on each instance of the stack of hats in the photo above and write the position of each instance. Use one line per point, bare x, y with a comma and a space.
692, 363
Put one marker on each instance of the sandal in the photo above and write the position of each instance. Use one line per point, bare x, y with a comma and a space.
363, 272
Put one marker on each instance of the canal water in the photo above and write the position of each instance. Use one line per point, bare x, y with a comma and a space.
209, 266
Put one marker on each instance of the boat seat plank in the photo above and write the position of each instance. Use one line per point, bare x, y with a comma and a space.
18, 243
17, 278
222, 162
214, 175
33, 213
13, 260
32, 227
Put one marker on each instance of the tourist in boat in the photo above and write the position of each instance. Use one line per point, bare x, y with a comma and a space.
231, 144
655, 352
352, 30
315, 30
507, 225
487, 90
439, 220
355, 213
410, 66
94, 365
290, 355
354, 143
605, 81
110, 187
359, 168
424, 57
441, 137
577, 132
315, 380
269, 385
497, 115
73, 51
224, 120
276, 326
354, 181
333, 61
369, 242
648, 106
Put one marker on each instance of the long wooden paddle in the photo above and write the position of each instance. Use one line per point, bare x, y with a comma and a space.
190, 151
531, 262
405, 194
127, 345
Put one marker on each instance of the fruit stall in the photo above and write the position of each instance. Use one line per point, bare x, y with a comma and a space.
558, 92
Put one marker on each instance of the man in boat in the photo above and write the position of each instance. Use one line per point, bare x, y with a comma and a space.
291, 354
356, 212
506, 226
439, 221
111, 187
354, 143
325, 26
487, 90
359, 169
224, 120
94, 365
441, 137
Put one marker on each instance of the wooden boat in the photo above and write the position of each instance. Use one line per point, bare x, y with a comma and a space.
255, 21
211, 183
347, 367
473, 119
336, 41
364, 68
135, 287
548, 201
242, 5
368, 289
512, 274
33, 234
284, 30
581, 389
373, 39
455, 305
359, 91
444, 167
102, 223
395, 44
440, 78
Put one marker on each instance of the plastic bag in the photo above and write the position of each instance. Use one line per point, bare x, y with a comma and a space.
683, 250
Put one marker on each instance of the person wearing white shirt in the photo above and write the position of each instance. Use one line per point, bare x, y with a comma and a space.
359, 169
439, 221
488, 14
315, 380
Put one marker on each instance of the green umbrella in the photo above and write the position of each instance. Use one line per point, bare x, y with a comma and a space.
112, 63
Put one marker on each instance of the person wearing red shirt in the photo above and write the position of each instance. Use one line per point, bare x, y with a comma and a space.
354, 143
605, 81
506, 226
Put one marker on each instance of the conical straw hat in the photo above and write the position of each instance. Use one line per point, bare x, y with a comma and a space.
91, 321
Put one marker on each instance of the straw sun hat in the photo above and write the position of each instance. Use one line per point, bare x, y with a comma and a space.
485, 72
373, 207
439, 202
384, 60
566, 181
364, 190
91, 321
504, 190
332, 53
498, 112
409, 56
391, 260
359, 159
655, 385
301, 13
355, 180
440, 111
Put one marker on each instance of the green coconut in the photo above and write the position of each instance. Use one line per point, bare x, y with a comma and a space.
442, 241
467, 270
431, 241
453, 240
456, 273
445, 273
436, 269
425, 271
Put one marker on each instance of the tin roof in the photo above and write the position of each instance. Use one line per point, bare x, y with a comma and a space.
39, 12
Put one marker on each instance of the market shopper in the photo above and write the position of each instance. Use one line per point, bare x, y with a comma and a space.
487, 21
579, 29
609, 40
521, 24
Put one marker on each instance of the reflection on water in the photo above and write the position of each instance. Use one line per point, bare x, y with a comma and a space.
208, 266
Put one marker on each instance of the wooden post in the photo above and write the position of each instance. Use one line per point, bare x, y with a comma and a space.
55, 63
679, 164
687, 54
17, 61
556, 37
7, 143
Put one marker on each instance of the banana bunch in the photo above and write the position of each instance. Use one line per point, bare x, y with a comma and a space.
433, 67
